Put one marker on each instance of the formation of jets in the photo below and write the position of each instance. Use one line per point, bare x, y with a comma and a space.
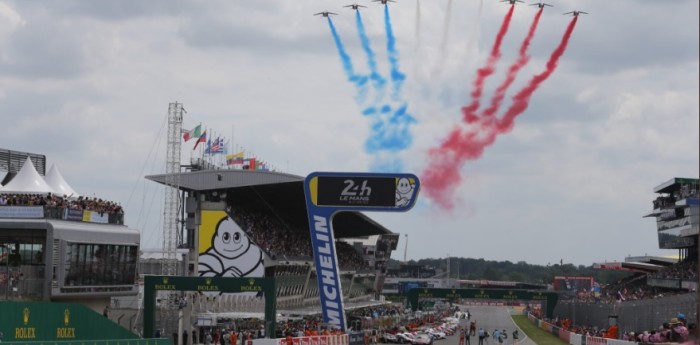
355, 6
541, 4
325, 14
575, 13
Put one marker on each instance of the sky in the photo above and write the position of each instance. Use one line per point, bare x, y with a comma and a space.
88, 84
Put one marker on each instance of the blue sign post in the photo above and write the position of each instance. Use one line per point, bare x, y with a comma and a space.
330, 192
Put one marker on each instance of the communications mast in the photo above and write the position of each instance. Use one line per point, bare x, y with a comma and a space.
171, 201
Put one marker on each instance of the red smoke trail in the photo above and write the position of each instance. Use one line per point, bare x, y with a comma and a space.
522, 60
522, 98
481, 74
442, 174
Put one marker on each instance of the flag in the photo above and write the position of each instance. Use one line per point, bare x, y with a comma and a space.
216, 146
234, 158
234, 155
225, 146
234, 161
202, 139
207, 150
193, 133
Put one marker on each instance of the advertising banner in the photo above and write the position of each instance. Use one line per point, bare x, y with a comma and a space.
225, 250
97, 217
326, 194
21, 212
70, 214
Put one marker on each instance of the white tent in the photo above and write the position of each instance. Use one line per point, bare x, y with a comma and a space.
27, 181
56, 181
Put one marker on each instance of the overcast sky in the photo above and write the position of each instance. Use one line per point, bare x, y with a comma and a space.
87, 83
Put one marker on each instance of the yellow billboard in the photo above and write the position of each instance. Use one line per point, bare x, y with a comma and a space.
225, 250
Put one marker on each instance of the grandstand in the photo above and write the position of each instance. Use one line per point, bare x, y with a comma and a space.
270, 209
657, 288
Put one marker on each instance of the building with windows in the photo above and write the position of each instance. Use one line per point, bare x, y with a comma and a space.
56, 247
676, 212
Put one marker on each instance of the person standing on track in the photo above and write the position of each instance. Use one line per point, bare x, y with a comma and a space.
482, 334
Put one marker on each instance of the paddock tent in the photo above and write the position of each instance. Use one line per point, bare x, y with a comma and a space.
55, 180
27, 181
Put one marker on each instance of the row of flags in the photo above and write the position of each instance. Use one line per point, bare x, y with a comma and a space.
220, 146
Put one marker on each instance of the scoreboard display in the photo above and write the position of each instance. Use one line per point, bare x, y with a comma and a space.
354, 191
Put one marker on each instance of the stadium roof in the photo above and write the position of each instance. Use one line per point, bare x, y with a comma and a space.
672, 184
280, 194
640, 267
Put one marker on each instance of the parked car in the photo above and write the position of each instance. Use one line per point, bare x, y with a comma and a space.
389, 338
436, 333
423, 339
405, 338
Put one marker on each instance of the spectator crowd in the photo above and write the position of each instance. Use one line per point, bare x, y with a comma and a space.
281, 241
53, 203
677, 330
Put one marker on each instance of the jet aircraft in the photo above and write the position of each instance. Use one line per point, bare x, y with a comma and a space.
355, 6
325, 14
576, 13
384, 2
541, 4
512, 2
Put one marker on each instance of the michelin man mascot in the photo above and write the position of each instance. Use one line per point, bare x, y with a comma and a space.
232, 254
404, 191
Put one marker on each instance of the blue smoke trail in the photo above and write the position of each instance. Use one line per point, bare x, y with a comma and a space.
390, 129
390, 126
358, 80
377, 80
397, 78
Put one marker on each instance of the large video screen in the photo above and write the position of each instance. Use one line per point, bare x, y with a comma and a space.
404, 287
564, 283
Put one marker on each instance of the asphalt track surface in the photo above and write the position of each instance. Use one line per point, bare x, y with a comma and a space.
490, 318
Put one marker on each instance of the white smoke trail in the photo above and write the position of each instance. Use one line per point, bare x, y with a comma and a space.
442, 54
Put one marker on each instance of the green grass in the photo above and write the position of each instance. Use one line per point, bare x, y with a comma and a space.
536, 334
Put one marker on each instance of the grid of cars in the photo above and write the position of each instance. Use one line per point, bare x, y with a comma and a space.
425, 335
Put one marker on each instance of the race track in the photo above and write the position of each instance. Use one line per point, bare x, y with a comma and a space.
490, 318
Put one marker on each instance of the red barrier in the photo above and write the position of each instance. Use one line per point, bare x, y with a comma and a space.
337, 339
596, 341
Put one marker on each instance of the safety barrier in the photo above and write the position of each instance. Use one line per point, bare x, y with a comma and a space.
574, 338
162, 341
338, 339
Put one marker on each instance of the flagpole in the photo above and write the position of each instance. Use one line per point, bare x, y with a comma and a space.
201, 151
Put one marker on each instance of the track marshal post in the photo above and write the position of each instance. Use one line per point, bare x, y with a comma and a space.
330, 192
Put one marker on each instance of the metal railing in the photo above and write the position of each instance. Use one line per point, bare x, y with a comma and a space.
63, 213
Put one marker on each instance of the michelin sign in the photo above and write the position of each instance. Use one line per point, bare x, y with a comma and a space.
327, 193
